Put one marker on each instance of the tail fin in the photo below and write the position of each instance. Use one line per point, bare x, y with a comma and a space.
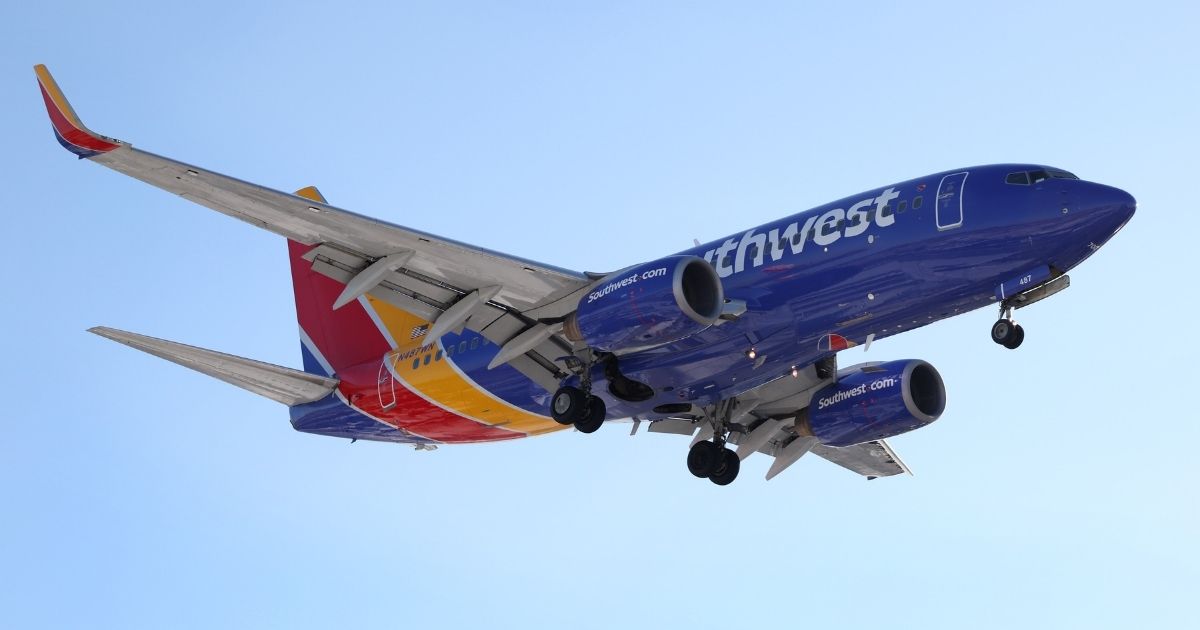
331, 340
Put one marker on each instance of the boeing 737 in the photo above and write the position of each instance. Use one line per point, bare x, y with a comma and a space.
413, 338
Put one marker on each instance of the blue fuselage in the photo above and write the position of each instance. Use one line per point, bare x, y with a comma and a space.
869, 266
878, 263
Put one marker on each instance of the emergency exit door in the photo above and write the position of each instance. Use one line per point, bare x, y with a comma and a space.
950, 201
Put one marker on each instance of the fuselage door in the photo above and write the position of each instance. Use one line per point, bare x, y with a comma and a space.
386, 383
949, 206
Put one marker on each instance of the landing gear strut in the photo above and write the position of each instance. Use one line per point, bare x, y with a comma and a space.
577, 405
1006, 332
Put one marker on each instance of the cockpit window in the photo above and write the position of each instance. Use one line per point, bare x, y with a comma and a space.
1021, 179
1026, 178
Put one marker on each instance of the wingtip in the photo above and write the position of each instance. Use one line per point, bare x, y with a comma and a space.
69, 130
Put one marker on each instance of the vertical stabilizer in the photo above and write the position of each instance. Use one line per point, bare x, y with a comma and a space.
331, 339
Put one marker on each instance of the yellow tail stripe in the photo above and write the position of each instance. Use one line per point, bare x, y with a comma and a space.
440, 381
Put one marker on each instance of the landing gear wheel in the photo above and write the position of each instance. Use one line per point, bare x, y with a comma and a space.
593, 416
727, 468
568, 405
703, 459
1002, 331
1008, 334
1018, 336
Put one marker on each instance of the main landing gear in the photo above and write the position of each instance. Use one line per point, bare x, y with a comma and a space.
577, 405
1006, 332
715, 461
711, 459
571, 406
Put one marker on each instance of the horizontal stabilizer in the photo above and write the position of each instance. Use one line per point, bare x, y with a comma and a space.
285, 385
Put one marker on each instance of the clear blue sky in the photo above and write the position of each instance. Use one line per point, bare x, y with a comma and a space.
1059, 489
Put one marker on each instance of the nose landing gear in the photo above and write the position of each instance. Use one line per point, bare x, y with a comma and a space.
1006, 332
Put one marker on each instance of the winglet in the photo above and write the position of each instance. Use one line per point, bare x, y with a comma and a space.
69, 130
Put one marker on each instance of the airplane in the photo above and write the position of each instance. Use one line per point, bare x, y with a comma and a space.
417, 339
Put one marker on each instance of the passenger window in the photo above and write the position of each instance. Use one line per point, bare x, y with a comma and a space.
475, 343
462, 347
438, 356
886, 210
1020, 179
916, 202
449, 351
752, 251
903, 206
797, 237
425, 361
416, 363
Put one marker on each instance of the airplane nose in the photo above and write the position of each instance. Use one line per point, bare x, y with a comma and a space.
1127, 203
1109, 208
1111, 202
1121, 205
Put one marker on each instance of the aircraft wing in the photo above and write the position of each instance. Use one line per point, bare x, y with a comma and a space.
416, 271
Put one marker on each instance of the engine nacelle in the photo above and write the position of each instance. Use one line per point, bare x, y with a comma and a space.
873, 401
648, 305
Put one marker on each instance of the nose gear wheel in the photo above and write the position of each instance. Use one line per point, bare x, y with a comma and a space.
1006, 332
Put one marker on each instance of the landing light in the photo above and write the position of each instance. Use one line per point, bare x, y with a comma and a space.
752, 354
795, 372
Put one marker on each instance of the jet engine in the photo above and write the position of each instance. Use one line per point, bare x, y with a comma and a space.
873, 401
648, 305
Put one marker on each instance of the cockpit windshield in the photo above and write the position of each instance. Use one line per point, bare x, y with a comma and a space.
1025, 178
